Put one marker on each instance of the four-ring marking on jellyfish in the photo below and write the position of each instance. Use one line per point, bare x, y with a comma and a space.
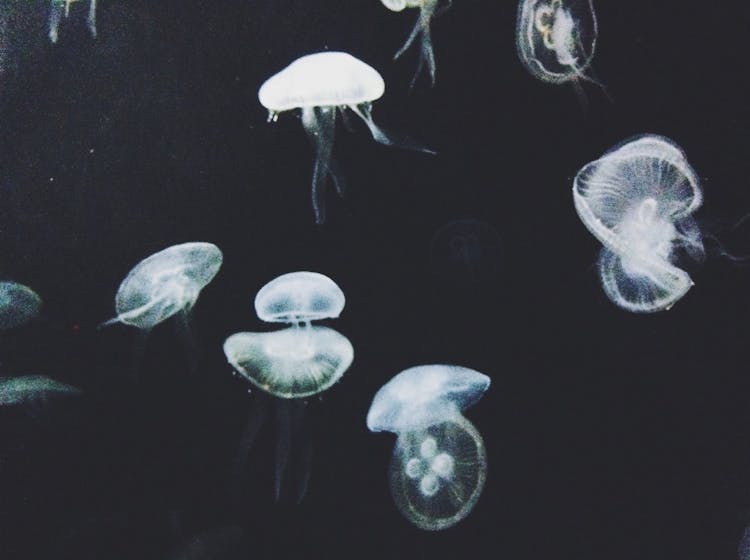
429, 467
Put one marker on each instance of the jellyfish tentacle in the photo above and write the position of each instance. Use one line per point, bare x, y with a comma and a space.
283, 444
91, 20
184, 329
364, 111
421, 30
320, 125
55, 15
255, 421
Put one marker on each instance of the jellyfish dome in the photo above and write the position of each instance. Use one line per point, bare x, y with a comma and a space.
19, 304
20, 390
638, 200
320, 80
166, 283
425, 395
291, 363
298, 297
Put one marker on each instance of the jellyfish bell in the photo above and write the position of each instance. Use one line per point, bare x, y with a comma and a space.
320, 85
30, 388
556, 39
19, 304
638, 201
439, 463
298, 297
60, 9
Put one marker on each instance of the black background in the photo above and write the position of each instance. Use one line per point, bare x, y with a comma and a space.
609, 435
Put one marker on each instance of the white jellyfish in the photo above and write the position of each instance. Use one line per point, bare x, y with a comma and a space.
428, 10
556, 39
439, 463
320, 85
32, 390
19, 304
293, 363
164, 285
60, 8
638, 200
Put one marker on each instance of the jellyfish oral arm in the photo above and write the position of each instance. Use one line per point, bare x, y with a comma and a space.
364, 111
320, 125
421, 29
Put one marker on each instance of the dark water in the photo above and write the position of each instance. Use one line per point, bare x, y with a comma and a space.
609, 435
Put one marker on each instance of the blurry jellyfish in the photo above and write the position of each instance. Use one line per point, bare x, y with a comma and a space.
439, 463
638, 200
167, 284
18, 305
32, 390
222, 543
556, 39
319, 85
293, 363
743, 550
60, 8
466, 251
428, 9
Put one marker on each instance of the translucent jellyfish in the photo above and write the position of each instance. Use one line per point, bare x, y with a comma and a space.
439, 463
743, 550
467, 251
293, 363
320, 85
31, 389
428, 9
638, 200
60, 8
556, 39
18, 305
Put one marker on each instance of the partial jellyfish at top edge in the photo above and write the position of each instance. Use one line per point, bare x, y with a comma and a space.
638, 200
320, 85
60, 9
290, 364
19, 304
556, 39
167, 284
439, 464
467, 251
28, 390
428, 10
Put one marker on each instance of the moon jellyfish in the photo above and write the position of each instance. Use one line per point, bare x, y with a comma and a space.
428, 9
320, 85
167, 284
293, 363
556, 39
638, 200
18, 305
439, 463
60, 8
466, 252
32, 390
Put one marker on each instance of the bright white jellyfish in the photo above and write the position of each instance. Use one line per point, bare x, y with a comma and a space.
165, 284
320, 85
428, 9
556, 39
439, 464
293, 363
638, 200
60, 8
19, 304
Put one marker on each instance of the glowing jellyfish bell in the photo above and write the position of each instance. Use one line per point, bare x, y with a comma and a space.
320, 85
428, 9
60, 8
556, 39
293, 363
638, 200
166, 283
439, 464
19, 304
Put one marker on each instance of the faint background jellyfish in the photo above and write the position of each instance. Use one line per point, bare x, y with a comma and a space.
556, 39
638, 200
466, 251
167, 284
32, 390
60, 9
291, 364
320, 85
439, 463
428, 9
19, 304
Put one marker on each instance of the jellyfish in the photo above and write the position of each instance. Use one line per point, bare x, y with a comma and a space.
290, 364
320, 85
62, 7
466, 251
428, 9
439, 463
556, 39
19, 304
32, 391
167, 284
638, 200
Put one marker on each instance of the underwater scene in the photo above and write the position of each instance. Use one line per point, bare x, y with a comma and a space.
406, 279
